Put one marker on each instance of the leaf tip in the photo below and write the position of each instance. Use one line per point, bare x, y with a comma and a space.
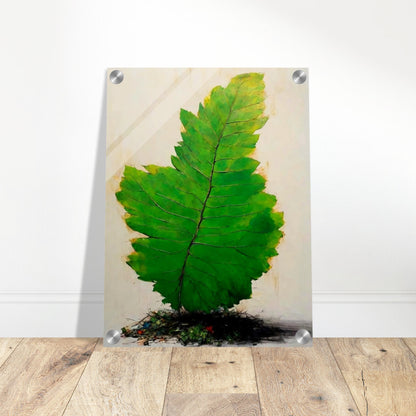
152, 169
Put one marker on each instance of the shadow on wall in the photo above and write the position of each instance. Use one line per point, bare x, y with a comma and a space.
91, 310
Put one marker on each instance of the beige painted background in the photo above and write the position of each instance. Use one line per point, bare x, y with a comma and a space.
143, 126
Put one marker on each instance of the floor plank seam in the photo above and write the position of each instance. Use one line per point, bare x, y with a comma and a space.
342, 374
15, 348
364, 392
82, 373
408, 347
257, 383
167, 381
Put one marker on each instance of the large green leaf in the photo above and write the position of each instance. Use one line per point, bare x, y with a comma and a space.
211, 229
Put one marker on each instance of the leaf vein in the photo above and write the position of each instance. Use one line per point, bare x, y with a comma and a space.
161, 208
206, 198
176, 202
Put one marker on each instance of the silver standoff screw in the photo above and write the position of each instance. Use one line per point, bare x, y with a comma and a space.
299, 76
112, 336
116, 76
303, 336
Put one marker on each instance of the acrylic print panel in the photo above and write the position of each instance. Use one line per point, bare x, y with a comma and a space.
207, 207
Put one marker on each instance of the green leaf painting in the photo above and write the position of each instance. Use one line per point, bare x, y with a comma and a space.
209, 226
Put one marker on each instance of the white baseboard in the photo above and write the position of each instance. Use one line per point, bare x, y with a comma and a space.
364, 313
48, 297
356, 296
335, 313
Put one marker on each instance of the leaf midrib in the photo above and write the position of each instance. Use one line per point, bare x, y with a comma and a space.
201, 218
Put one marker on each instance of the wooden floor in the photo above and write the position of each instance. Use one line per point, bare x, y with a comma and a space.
335, 377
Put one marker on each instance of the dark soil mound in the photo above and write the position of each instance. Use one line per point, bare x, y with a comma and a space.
205, 328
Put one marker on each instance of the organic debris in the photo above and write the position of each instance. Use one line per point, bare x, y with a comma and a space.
198, 328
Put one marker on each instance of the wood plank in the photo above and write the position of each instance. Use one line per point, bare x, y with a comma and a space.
7, 346
178, 404
122, 381
303, 381
212, 370
381, 374
372, 354
41, 374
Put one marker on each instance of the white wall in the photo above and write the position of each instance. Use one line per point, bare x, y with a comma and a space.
362, 64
